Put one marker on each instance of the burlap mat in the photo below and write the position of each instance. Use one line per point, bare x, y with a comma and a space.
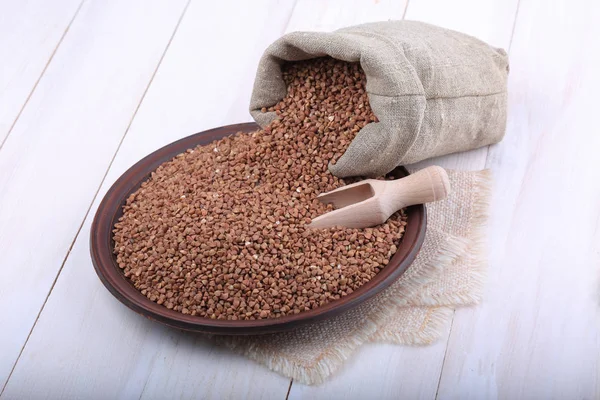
448, 272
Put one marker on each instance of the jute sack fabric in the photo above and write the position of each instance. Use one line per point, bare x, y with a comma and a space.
433, 90
448, 272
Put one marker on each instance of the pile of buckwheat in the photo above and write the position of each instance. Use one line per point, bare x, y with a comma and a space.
220, 230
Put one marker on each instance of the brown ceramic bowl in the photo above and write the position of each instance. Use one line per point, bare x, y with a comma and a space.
109, 211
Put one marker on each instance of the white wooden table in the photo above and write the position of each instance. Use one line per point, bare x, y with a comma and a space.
89, 87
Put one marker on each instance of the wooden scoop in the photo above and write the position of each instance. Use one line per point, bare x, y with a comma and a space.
371, 202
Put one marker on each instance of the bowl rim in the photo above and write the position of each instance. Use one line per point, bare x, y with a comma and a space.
105, 265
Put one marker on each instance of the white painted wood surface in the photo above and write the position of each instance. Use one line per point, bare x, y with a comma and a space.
30, 33
536, 335
55, 158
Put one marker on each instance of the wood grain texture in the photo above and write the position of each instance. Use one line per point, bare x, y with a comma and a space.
489, 20
30, 32
536, 334
52, 163
95, 344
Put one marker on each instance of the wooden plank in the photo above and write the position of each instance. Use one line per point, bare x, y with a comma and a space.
393, 371
97, 344
491, 21
536, 334
30, 32
323, 16
55, 158
381, 371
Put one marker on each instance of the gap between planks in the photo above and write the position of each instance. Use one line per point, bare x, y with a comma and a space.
437, 390
405, 10
35, 85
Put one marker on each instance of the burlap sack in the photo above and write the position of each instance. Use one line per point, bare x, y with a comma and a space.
434, 91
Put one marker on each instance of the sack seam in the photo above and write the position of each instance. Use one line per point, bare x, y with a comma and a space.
439, 97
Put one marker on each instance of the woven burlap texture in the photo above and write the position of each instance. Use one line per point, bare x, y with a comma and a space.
435, 91
448, 272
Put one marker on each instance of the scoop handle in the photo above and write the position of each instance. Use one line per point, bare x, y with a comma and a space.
425, 186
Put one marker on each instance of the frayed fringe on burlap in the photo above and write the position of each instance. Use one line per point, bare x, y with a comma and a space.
478, 251
449, 252
431, 330
474, 252
313, 373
